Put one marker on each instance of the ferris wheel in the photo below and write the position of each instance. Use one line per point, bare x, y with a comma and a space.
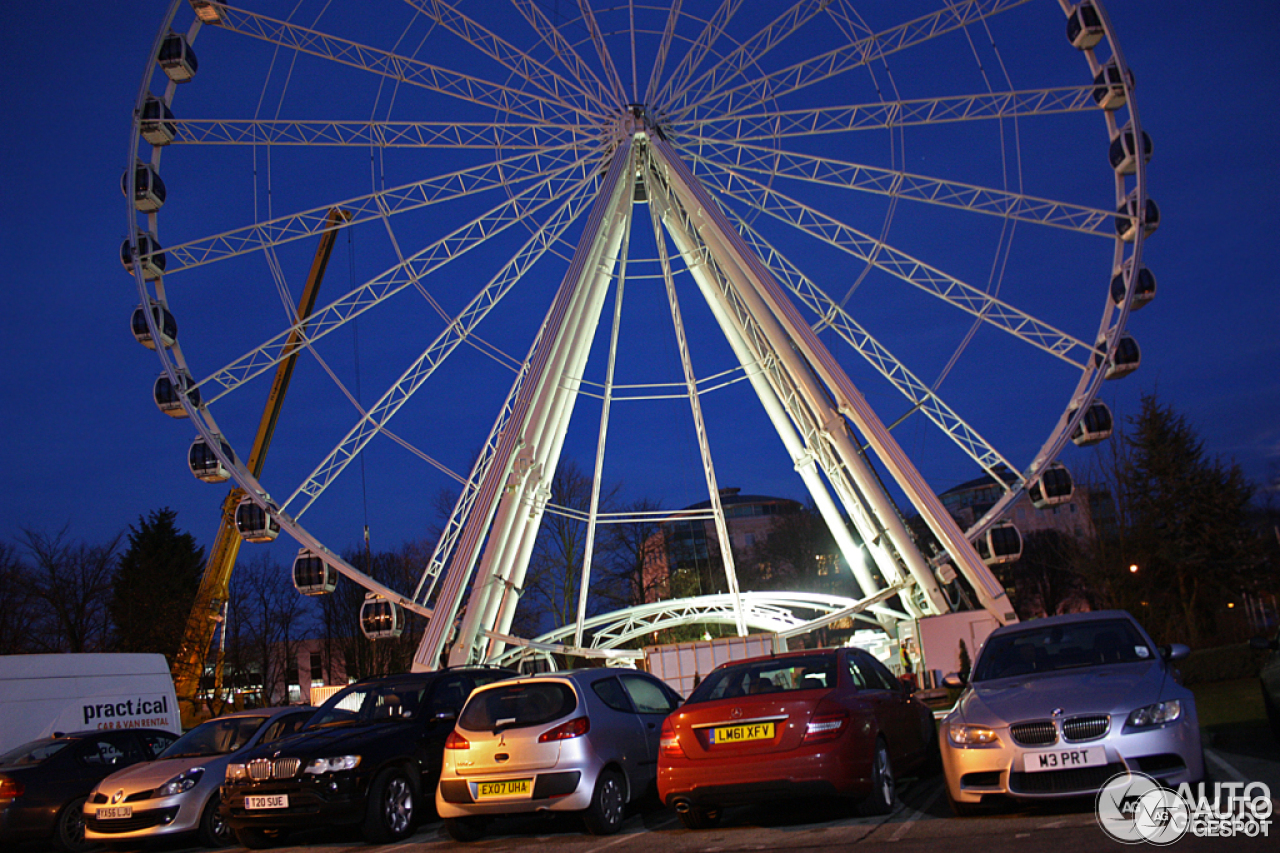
896, 244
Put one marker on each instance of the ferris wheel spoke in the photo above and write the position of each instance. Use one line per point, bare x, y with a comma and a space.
727, 100
711, 32
506, 172
767, 162
882, 115
831, 315
664, 49
520, 64
403, 69
612, 79
959, 294
682, 98
516, 209
551, 36
516, 136
458, 330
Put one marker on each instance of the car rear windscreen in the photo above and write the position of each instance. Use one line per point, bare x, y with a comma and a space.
529, 703
774, 675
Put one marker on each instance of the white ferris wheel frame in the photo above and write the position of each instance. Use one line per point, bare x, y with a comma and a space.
753, 290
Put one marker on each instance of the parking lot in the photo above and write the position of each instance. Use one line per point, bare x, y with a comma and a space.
920, 821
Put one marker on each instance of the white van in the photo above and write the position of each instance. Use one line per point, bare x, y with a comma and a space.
43, 694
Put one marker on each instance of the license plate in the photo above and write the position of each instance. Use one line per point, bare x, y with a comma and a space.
114, 812
1064, 759
742, 733
505, 789
276, 801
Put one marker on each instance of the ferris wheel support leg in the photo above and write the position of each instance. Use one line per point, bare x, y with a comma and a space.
563, 396
795, 344
802, 458
538, 406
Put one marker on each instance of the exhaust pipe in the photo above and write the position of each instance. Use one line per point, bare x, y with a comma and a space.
681, 805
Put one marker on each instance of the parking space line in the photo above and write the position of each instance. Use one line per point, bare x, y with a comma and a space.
916, 815
1222, 762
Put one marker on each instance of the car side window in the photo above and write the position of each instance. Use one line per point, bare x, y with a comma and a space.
648, 695
104, 751
158, 742
857, 674
449, 695
612, 694
874, 677
285, 726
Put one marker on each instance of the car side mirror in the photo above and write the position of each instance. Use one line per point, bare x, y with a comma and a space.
1262, 644
1176, 651
953, 680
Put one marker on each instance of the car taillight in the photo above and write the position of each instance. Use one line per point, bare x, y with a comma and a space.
577, 727
668, 743
827, 723
10, 788
456, 741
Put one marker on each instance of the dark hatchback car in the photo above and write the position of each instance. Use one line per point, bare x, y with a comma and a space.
44, 783
370, 756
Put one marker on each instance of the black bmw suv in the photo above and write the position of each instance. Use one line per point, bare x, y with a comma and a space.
371, 755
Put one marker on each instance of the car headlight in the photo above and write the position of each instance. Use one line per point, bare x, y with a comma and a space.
333, 764
1155, 715
181, 783
966, 736
237, 772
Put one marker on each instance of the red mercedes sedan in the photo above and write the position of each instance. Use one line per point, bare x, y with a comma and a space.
811, 723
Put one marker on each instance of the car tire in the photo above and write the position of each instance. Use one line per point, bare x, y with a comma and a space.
883, 793
701, 817
465, 829
391, 810
608, 804
260, 839
213, 830
68, 832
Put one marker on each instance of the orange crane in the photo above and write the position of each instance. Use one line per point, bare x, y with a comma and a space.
206, 610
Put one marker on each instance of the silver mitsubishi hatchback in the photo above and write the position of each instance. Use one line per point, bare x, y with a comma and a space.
578, 741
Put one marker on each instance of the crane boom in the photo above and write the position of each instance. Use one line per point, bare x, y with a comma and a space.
206, 609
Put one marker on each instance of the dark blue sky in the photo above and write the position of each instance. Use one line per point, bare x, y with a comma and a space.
84, 447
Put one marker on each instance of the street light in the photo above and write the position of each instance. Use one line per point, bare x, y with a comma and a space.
1133, 568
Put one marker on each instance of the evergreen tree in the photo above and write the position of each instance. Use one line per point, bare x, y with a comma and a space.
1184, 526
155, 585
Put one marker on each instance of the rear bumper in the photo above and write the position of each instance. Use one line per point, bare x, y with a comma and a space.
821, 770
563, 790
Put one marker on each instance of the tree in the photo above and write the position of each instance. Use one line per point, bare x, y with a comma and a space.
1046, 578
549, 593
1182, 523
18, 603
71, 582
635, 550
265, 622
155, 585
798, 553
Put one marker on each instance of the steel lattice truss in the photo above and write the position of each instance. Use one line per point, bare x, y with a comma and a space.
824, 191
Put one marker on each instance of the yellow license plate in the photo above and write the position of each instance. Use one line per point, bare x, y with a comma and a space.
742, 733
505, 789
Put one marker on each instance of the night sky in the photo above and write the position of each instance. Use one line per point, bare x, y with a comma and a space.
85, 448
